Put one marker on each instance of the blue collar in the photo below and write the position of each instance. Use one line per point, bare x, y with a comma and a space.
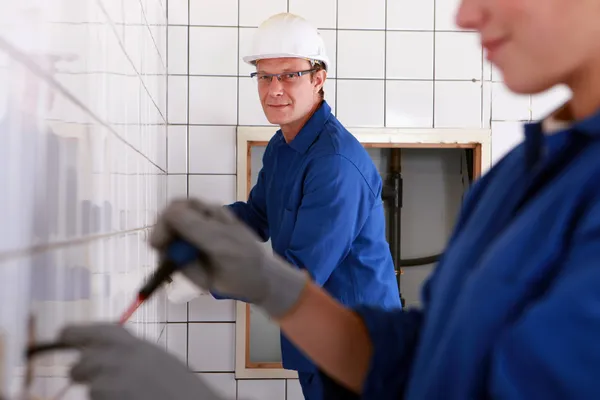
535, 138
589, 126
311, 130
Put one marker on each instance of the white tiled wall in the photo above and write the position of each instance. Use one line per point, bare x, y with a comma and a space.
395, 63
83, 91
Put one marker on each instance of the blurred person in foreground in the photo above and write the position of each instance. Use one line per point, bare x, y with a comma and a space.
513, 309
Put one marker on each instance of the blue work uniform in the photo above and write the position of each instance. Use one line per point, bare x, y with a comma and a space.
513, 309
318, 198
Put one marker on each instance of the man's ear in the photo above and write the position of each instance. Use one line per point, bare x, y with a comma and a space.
320, 77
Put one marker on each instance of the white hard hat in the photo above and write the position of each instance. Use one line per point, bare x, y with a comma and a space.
287, 35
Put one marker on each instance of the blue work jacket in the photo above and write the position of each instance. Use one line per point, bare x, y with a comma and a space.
513, 309
318, 198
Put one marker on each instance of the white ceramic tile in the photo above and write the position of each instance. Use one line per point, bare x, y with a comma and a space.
330, 39
409, 104
545, 103
211, 347
177, 186
246, 35
360, 102
508, 106
223, 384
214, 12
160, 154
410, 15
177, 312
219, 189
458, 55
273, 389
505, 136
361, 54
355, 14
177, 12
321, 13
486, 104
178, 96
496, 74
252, 14
206, 308
330, 88
177, 337
212, 149
178, 50
487, 69
457, 105
294, 390
445, 15
409, 55
251, 112
213, 51
177, 146
213, 100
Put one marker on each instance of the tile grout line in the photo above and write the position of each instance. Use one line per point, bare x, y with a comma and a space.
167, 101
18, 253
343, 79
334, 29
337, 51
188, 106
385, 50
434, 81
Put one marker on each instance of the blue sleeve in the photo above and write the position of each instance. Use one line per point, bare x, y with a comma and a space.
335, 204
552, 351
254, 211
394, 335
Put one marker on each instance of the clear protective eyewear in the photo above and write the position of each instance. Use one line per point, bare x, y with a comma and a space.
284, 77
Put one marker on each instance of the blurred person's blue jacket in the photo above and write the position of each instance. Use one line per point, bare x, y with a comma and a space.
513, 309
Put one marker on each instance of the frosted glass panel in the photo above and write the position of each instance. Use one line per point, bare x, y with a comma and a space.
265, 341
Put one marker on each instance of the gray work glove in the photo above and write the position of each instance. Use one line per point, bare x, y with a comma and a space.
238, 265
115, 365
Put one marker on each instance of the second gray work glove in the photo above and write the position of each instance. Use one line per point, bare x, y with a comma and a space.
115, 365
238, 265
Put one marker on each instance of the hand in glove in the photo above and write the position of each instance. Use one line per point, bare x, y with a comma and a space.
237, 263
118, 366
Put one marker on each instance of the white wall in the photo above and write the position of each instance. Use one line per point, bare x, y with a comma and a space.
82, 169
396, 63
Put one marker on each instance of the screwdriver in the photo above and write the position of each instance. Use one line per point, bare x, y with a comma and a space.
179, 253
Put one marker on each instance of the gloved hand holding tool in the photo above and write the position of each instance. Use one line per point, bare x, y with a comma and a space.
234, 262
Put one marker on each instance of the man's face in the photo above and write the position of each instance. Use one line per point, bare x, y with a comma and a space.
536, 44
292, 98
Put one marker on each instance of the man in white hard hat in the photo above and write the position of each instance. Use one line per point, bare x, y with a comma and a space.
318, 195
